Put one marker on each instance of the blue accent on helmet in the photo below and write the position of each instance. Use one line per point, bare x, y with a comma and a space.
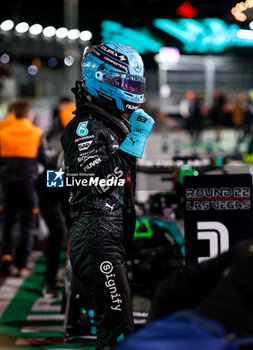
114, 73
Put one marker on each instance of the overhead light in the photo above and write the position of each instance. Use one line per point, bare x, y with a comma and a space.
48, 32
22, 27
186, 10
238, 11
37, 62
241, 17
35, 29
52, 62
73, 34
32, 70
5, 58
69, 60
169, 54
62, 33
165, 91
85, 35
7, 25
241, 6
245, 34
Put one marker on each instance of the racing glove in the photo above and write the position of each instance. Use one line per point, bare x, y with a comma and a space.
141, 125
78, 91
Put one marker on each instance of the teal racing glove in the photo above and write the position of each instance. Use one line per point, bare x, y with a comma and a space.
141, 125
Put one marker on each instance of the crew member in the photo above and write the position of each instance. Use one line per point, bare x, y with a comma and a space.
21, 147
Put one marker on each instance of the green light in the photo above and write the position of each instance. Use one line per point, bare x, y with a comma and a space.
186, 170
148, 233
248, 158
251, 95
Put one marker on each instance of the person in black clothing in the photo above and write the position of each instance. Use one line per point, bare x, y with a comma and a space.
52, 204
216, 113
220, 289
21, 147
196, 119
102, 143
202, 306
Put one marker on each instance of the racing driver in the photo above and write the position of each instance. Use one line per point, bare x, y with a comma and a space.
102, 141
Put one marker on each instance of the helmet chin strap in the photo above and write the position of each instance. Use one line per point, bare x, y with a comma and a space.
100, 103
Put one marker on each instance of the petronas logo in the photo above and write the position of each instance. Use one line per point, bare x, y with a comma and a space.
82, 129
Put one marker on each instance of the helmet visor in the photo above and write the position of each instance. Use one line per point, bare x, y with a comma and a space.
131, 83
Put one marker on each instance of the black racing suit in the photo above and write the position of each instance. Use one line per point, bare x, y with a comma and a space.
103, 219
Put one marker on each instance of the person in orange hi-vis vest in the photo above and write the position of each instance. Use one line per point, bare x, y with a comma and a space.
65, 113
21, 147
62, 115
6, 121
